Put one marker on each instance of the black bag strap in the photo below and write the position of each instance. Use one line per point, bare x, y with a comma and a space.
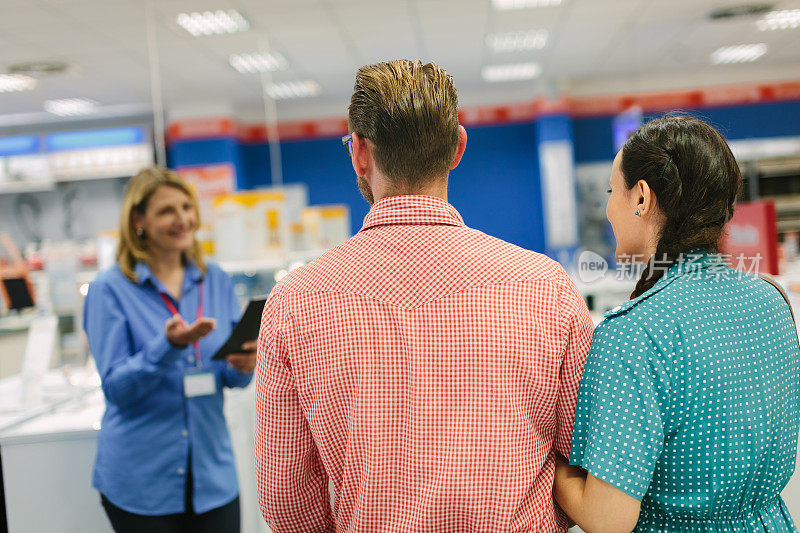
780, 290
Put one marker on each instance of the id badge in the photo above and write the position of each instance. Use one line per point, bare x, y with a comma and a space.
199, 384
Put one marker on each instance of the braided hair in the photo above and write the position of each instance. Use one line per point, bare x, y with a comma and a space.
696, 180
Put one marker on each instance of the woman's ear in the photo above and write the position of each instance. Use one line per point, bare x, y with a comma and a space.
136, 219
645, 198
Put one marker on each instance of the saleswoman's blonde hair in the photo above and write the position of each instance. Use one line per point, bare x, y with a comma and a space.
132, 248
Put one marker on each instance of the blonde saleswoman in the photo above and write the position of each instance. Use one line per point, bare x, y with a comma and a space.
154, 320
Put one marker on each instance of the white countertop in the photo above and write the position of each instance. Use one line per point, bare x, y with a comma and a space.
59, 389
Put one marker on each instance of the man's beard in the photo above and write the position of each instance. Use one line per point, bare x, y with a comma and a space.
365, 189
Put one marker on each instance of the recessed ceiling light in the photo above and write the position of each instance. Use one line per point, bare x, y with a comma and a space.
506, 5
213, 22
517, 40
739, 11
293, 89
70, 107
511, 72
740, 53
780, 20
256, 62
10, 83
39, 68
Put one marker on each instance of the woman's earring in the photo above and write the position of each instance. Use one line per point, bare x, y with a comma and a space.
140, 233
638, 213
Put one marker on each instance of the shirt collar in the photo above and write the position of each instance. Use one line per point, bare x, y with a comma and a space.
412, 210
143, 274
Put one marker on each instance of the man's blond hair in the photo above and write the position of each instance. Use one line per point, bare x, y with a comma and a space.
409, 111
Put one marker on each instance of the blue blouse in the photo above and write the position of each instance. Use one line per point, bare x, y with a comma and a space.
690, 402
150, 429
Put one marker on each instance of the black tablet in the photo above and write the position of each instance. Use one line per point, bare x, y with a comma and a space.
245, 330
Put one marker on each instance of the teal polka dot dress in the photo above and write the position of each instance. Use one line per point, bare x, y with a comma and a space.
689, 401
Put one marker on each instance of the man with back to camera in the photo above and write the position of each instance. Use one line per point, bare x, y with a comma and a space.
427, 369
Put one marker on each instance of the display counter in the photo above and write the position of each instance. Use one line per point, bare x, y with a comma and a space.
48, 452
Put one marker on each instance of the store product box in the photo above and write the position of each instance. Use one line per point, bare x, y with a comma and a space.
250, 225
325, 226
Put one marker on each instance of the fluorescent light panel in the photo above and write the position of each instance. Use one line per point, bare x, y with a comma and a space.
517, 40
787, 19
507, 5
740, 53
213, 22
10, 83
253, 62
293, 89
511, 72
70, 107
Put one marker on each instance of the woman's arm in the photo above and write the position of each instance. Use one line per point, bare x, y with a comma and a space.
126, 377
237, 369
593, 504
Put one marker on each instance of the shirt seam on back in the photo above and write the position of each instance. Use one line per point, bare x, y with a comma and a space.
556, 282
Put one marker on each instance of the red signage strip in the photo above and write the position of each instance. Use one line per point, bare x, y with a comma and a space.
200, 128
695, 98
214, 127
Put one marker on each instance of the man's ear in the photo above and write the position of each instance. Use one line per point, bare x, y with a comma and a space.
462, 145
362, 155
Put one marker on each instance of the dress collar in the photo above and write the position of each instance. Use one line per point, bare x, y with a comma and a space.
692, 262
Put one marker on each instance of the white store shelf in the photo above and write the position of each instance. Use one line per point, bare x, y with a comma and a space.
269, 264
26, 186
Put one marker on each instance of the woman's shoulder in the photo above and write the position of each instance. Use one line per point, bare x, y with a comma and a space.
110, 283
619, 327
214, 271
110, 277
636, 315
646, 326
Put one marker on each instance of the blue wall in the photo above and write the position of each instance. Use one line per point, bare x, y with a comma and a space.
593, 135
495, 187
594, 139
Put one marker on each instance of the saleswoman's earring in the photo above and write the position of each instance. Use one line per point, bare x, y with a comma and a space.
140, 233
638, 213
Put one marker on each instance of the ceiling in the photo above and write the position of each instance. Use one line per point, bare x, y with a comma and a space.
594, 47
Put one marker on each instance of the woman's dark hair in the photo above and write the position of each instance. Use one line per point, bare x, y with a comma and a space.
696, 180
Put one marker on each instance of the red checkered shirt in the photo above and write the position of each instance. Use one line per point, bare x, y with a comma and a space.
425, 368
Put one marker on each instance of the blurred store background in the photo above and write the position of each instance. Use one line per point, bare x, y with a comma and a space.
248, 100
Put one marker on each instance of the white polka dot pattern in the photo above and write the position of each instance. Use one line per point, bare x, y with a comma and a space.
689, 402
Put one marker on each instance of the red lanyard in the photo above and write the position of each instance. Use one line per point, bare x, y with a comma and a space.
175, 311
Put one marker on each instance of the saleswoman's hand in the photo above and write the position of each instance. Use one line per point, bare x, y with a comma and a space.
182, 335
244, 361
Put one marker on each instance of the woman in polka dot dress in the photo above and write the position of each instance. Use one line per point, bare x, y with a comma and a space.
687, 417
